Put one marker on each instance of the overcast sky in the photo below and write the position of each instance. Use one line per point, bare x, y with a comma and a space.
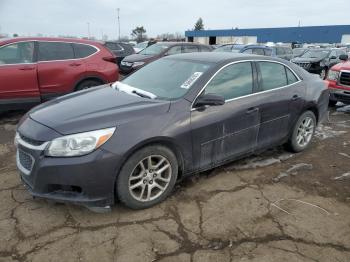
70, 17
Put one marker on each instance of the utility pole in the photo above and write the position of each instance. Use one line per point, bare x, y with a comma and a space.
118, 10
88, 25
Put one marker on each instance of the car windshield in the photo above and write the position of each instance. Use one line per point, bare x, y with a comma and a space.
141, 45
166, 79
316, 54
154, 49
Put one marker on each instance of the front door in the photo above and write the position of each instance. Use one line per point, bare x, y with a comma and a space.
18, 73
223, 132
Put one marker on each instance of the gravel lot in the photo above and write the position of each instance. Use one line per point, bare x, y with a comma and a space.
273, 207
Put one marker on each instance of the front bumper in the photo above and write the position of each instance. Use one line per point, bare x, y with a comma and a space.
338, 93
85, 180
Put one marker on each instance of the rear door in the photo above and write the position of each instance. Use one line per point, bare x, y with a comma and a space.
281, 94
18, 73
58, 70
223, 132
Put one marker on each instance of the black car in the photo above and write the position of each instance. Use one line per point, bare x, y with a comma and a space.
177, 116
158, 50
319, 61
121, 50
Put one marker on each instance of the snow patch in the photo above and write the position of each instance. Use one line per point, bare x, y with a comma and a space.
323, 132
343, 176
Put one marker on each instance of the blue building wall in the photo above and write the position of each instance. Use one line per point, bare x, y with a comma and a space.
305, 34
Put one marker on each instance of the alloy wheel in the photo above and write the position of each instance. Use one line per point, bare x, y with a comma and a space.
150, 178
305, 131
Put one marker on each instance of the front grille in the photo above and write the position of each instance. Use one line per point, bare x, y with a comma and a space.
344, 78
25, 160
304, 65
31, 141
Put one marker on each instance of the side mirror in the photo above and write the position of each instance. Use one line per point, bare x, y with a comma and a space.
210, 100
344, 57
333, 57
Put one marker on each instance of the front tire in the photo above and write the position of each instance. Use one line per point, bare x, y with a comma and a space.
303, 132
147, 177
87, 84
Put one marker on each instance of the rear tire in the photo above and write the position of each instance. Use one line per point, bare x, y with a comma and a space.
303, 132
87, 84
147, 177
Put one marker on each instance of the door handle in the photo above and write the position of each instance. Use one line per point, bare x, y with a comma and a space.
252, 110
295, 97
75, 64
27, 68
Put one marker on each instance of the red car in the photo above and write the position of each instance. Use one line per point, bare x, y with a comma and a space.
33, 70
339, 82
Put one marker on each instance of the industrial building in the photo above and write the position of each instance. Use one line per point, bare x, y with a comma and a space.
303, 34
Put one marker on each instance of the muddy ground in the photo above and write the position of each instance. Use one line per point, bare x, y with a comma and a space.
273, 207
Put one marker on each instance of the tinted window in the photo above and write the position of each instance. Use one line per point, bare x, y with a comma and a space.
273, 75
291, 77
81, 50
233, 81
174, 50
258, 51
248, 51
114, 46
49, 51
190, 48
18, 53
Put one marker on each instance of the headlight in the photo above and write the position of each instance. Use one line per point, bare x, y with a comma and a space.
333, 75
136, 64
78, 144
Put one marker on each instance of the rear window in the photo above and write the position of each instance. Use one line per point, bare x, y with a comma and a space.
82, 50
114, 46
49, 51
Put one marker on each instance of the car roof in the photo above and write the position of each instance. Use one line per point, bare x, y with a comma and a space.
176, 43
72, 40
218, 57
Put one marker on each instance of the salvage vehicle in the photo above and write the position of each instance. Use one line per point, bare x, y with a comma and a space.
339, 82
318, 61
177, 116
119, 49
158, 50
33, 70
274, 51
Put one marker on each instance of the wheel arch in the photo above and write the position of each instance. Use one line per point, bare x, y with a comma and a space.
87, 78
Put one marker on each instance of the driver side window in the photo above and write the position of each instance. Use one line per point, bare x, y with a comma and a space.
18, 53
233, 81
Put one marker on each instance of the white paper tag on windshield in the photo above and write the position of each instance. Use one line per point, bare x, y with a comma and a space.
193, 78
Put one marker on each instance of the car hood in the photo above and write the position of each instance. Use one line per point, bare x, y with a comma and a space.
342, 66
95, 108
306, 60
138, 58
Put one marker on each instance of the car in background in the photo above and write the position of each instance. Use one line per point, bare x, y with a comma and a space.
175, 117
297, 52
33, 70
140, 46
319, 60
274, 51
121, 50
338, 80
158, 50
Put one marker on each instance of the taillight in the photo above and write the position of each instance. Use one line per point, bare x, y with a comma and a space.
111, 59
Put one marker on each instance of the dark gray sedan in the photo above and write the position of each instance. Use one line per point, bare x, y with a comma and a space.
177, 116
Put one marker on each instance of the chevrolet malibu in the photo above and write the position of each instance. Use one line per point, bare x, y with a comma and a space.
133, 140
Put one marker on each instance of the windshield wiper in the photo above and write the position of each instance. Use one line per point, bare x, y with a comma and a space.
140, 94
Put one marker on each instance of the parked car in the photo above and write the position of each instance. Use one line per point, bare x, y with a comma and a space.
33, 70
297, 52
140, 46
319, 60
274, 51
120, 50
174, 117
338, 79
158, 50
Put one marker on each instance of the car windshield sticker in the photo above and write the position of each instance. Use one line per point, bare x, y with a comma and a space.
193, 78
